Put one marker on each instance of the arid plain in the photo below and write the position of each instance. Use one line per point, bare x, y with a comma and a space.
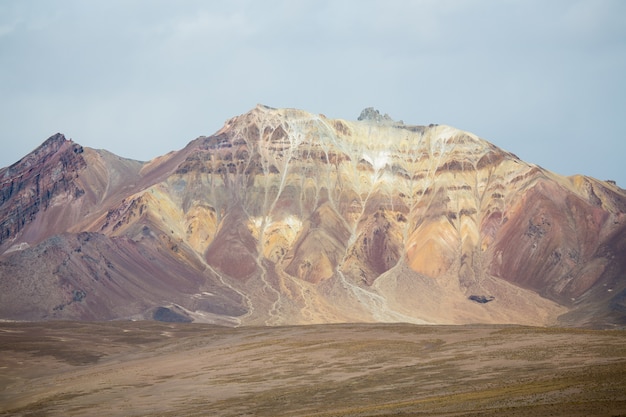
128, 368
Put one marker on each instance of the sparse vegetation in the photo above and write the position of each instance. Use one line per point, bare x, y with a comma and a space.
173, 369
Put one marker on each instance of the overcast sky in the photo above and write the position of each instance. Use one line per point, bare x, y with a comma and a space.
545, 80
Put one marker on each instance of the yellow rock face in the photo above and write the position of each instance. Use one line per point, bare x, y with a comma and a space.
431, 249
201, 226
277, 237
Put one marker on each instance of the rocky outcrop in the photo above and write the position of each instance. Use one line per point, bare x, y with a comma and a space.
371, 114
28, 186
299, 218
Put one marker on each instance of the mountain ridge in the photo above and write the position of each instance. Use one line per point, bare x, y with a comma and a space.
298, 218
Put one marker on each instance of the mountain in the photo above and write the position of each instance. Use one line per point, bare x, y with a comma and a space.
287, 217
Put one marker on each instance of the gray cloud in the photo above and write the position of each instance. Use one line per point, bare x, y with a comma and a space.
541, 79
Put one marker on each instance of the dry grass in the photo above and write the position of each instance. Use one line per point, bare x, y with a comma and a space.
156, 369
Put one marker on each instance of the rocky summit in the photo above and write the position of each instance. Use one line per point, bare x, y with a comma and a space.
287, 217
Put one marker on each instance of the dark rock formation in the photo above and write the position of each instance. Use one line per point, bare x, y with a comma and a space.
482, 299
374, 115
170, 316
28, 186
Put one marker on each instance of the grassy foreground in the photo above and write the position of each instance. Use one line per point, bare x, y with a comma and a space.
159, 369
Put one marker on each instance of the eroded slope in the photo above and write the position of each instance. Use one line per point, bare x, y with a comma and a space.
308, 219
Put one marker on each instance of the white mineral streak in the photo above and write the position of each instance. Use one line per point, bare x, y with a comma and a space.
298, 166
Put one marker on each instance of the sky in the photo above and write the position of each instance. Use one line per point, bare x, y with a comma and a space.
545, 80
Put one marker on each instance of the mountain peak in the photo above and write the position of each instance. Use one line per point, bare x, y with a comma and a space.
50, 145
39, 155
29, 185
374, 115
57, 138
285, 217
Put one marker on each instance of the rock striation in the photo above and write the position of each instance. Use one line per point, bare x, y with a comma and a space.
31, 184
285, 217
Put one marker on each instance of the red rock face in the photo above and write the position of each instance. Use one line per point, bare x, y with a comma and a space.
234, 249
31, 184
287, 217
562, 245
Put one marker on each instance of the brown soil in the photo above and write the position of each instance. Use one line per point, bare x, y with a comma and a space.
158, 369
